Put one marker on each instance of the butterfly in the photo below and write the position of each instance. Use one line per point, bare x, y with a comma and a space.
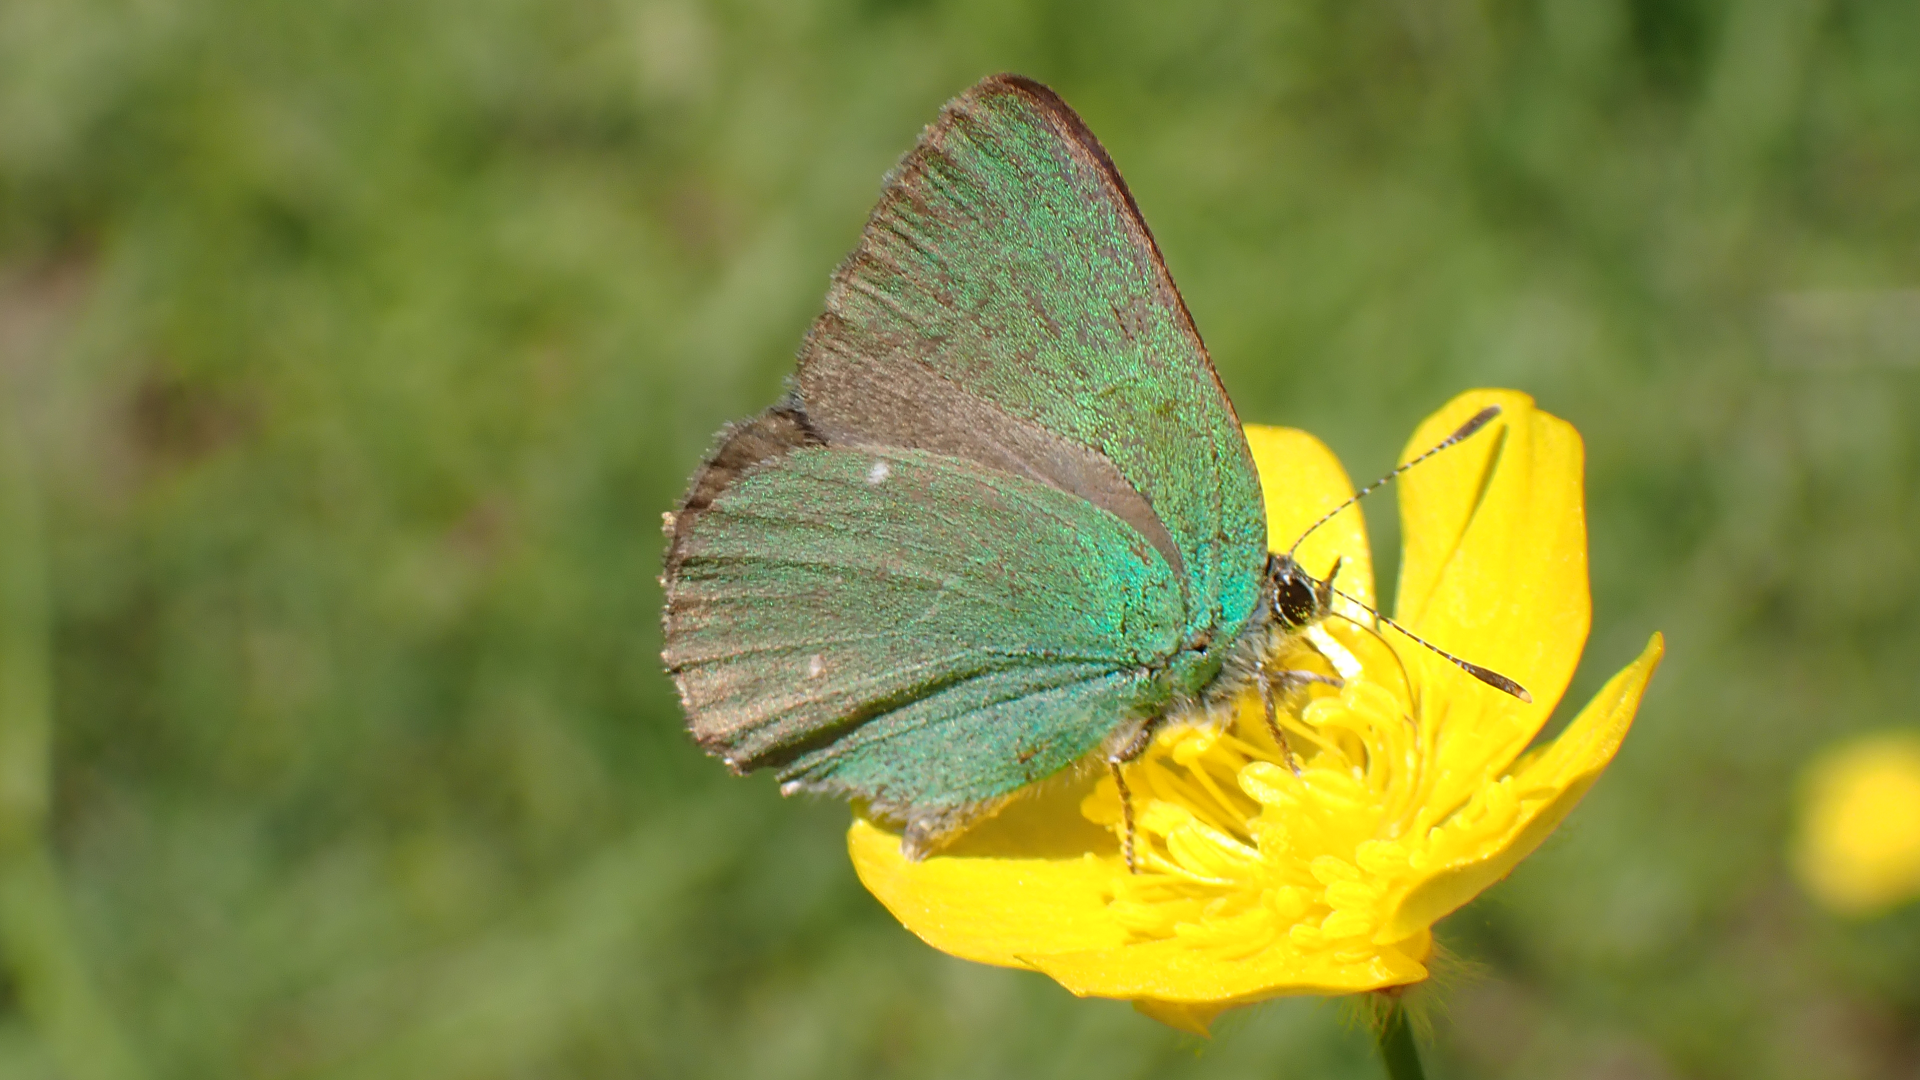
1004, 521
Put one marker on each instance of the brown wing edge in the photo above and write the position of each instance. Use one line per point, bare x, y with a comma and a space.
741, 447
1078, 135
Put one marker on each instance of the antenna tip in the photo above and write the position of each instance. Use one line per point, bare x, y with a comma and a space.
1495, 680
1479, 420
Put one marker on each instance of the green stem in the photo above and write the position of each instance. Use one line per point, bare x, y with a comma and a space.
1397, 1050
39, 947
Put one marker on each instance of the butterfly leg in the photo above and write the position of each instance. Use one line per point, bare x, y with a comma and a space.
1120, 755
1281, 682
1273, 721
1126, 815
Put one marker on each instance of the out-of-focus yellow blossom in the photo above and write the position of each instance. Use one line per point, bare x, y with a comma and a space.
1858, 848
1413, 792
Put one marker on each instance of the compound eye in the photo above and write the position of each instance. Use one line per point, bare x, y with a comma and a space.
1295, 600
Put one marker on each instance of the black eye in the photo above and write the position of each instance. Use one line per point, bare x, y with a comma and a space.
1295, 600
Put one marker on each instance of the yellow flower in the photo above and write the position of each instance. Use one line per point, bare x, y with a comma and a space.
1858, 848
1413, 792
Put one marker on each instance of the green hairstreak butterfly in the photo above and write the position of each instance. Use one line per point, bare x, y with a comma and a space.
1004, 521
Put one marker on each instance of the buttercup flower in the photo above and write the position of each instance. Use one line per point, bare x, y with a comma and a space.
1414, 787
1858, 847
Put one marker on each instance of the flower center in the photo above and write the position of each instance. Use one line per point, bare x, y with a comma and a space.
1238, 852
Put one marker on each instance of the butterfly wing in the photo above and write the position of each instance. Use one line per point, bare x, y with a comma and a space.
907, 627
1065, 529
1006, 264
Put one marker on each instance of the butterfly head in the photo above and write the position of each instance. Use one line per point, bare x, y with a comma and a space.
1297, 599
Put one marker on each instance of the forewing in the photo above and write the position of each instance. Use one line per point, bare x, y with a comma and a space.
1006, 272
831, 610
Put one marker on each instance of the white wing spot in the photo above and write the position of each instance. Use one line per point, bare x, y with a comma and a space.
815, 666
879, 472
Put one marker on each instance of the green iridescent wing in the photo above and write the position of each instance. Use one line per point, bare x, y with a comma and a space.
1066, 529
1007, 260
909, 627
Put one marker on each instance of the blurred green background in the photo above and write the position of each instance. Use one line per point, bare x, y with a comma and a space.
351, 350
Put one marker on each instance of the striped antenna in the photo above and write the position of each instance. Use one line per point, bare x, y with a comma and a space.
1479, 420
1486, 675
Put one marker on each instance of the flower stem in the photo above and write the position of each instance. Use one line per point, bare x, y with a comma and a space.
1397, 1050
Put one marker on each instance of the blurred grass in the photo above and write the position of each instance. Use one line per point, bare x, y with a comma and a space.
353, 349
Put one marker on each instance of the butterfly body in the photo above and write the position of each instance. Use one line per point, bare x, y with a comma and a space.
1005, 518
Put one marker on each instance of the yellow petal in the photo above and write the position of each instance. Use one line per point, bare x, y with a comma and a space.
1857, 848
1262, 881
993, 910
1302, 480
1190, 1018
1174, 971
1552, 781
1494, 570
1052, 915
